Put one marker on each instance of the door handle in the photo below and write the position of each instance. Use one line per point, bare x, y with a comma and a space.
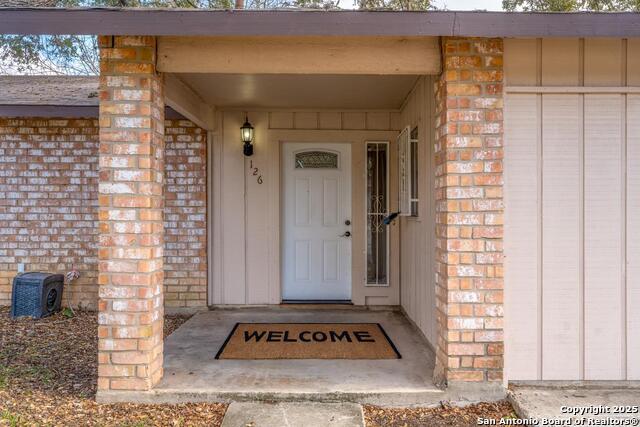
346, 234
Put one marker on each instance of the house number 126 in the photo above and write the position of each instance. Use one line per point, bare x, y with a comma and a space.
255, 172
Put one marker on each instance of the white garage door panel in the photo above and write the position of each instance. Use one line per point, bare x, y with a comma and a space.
603, 196
521, 238
561, 205
633, 237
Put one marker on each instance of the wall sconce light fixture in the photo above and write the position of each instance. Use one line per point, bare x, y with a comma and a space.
246, 132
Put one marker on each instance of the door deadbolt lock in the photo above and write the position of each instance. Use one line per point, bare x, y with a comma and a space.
347, 222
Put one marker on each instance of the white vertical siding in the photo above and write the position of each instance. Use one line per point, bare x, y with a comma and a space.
633, 237
561, 206
572, 218
522, 240
603, 262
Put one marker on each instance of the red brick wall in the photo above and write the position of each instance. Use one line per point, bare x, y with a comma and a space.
185, 215
469, 211
48, 206
48, 201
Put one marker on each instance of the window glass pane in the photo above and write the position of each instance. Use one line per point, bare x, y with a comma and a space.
414, 172
377, 232
404, 172
316, 160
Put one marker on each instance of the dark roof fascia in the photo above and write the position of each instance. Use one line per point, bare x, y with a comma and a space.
185, 22
50, 111
66, 111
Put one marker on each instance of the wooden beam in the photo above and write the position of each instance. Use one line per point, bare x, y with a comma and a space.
299, 55
185, 101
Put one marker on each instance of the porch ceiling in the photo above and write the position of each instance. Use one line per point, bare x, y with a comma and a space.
301, 90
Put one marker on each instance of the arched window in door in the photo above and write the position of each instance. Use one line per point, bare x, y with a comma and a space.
316, 159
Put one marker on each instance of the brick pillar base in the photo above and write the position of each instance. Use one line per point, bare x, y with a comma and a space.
469, 211
131, 229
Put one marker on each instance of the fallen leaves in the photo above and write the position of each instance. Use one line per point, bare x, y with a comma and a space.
442, 416
48, 376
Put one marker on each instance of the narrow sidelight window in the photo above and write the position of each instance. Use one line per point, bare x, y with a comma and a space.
413, 142
377, 209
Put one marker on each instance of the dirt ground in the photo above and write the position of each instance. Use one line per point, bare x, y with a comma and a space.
443, 416
48, 372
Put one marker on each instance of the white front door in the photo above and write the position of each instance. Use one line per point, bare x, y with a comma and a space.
317, 221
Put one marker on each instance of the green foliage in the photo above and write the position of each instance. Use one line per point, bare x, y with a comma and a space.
48, 54
572, 5
395, 4
68, 313
11, 420
78, 55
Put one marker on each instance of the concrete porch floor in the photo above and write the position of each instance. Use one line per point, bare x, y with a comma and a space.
192, 374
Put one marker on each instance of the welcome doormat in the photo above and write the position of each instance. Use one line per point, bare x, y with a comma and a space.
308, 341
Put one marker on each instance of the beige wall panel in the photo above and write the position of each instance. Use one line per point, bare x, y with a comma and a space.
561, 206
603, 62
358, 212
378, 121
305, 120
521, 62
215, 213
633, 237
411, 110
522, 309
560, 62
281, 120
258, 221
633, 62
427, 244
299, 55
394, 121
354, 120
233, 215
416, 234
330, 120
247, 223
603, 261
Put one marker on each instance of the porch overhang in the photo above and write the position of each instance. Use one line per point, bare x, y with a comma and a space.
294, 55
296, 22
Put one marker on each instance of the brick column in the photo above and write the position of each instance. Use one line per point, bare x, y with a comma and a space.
469, 211
131, 201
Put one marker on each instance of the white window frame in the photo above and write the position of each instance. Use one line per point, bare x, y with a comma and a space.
405, 184
386, 208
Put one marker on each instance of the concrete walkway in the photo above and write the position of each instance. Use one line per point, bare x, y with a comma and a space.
557, 402
192, 374
246, 414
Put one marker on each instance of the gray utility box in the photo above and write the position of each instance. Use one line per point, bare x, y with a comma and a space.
36, 294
